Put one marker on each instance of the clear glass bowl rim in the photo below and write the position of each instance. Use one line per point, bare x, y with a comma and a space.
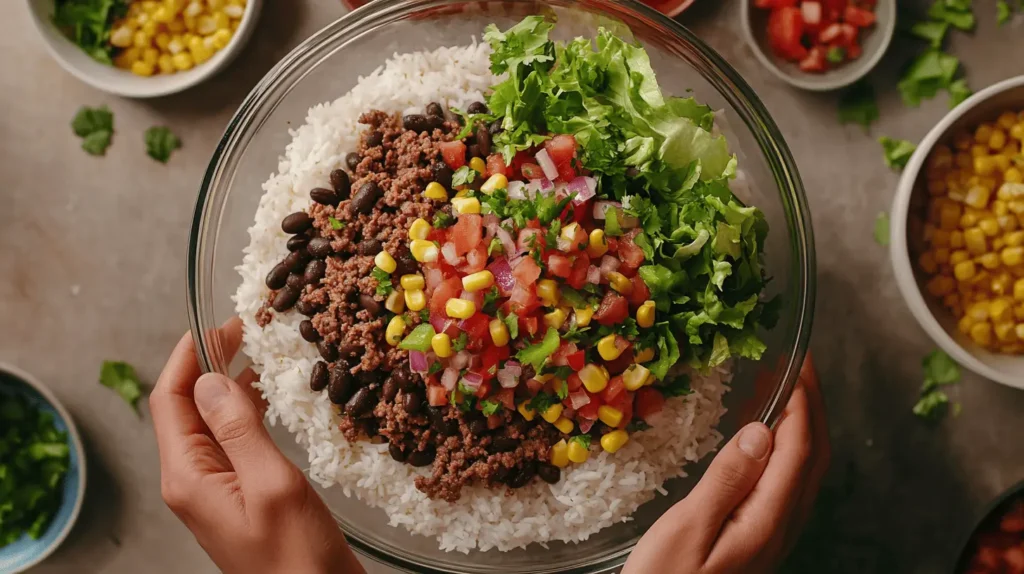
370, 18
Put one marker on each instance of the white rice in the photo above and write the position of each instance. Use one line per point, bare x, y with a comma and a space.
604, 490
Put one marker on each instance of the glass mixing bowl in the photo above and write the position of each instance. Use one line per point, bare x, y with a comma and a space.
328, 64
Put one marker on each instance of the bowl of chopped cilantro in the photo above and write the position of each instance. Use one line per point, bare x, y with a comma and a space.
42, 471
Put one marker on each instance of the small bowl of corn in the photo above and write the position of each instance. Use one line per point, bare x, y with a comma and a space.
144, 48
957, 233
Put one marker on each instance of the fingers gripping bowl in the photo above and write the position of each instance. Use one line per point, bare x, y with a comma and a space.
257, 137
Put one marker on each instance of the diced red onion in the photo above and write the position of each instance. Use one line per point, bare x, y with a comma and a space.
440, 323
491, 226
609, 264
472, 380
507, 243
564, 244
503, 274
593, 275
449, 378
545, 185
568, 412
586, 425
584, 188
514, 367
517, 190
811, 12
461, 360
450, 256
601, 206
434, 278
579, 398
475, 296
508, 376
418, 361
547, 164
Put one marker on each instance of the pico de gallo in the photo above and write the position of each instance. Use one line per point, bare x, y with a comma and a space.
819, 35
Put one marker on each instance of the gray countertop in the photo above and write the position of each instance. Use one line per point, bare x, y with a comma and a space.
93, 256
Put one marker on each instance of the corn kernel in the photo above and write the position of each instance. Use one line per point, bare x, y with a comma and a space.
151, 56
385, 261
577, 452
942, 255
1002, 164
419, 229
499, 332
554, 411
940, 238
234, 11
958, 256
940, 285
460, 308
525, 410
983, 133
221, 38
466, 205
548, 292
620, 282
423, 251
645, 315
962, 141
1019, 331
997, 140
936, 187
610, 416
394, 331
200, 53
977, 196
395, 301
949, 216
989, 260
412, 282
613, 441
556, 318
415, 300
974, 240
141, 68
597, 244
166, 64
981, 333
635, 376
1018, 290
644, 356
176, 26
478, 281
559, 454
956, 239
964, 160
1000, 310
564, 425
477, 164
594, 378
927, 262
121, 37
583, 316
441, 343
494, 183
1012, 256
221, 20
964, 270
435, 190
607, 348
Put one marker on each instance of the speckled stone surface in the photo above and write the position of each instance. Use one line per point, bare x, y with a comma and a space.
93, 260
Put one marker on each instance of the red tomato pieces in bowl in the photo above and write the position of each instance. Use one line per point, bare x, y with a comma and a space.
818, 35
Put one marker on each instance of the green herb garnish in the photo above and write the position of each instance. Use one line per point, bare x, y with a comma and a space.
384, 287
465, 175
95, 126
512, 322
931, 32
939, 370
489, 408
491, 301
87, 23
336, 224
926, 75
958, 92
435, 367
956, 13
121, 378
542, 402
160, 142
495, 246
676, 386
442, 220
582, 439
835, 55
460, 342
537, 353
897, 152
881, 233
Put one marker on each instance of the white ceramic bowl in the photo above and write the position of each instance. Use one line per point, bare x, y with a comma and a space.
875, 42
940, 324
121, 82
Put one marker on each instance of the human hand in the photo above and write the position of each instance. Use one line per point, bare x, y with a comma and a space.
249, 507
747, 511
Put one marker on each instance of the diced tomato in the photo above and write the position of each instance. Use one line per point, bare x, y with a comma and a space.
476, 260
858, 17
530, 236
496, 164
626, 406
566, 172
514, 170
640, 292
523, 300
467, 233
834, 8
529, 325
854, 51
476, 327
610, 394
484, 389
774, 3
847, 34
831, 34
589, 410
534, 386
621, 363
629, 252
454, 153
562, 149
490, 358
496, 421
815, 61
532, 171
573, 381
559, 265
436, 396
578, 276
507, 398
576, 361
447, 289
526, 271
613, 309
648, 401
613, 245
785, 28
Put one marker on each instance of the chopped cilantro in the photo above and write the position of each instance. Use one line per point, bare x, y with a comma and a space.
1003, 12
495, 246
575, 333
460, 342
160, 142
573, 297
551, 238
465, 175
383, 278
563, 389
335, 223
424, 315
512, 322
96, 143
926, 75
87, 23
931, 32
435, 367
956, 13
637, 425
121, 378
939, 370
95, 126
897, 152
489, 408
542, 402
559, 372
627, 328
464, 389
882, 229
442, 219
835, 55
537, 353
958, 92
464, 405
582, 439
491, 301
858, 105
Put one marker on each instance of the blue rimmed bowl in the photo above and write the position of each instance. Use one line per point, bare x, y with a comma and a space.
25, 553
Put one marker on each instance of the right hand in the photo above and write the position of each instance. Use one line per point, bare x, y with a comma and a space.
251, 509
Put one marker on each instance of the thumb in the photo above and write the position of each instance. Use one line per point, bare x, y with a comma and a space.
236, 425
731, 476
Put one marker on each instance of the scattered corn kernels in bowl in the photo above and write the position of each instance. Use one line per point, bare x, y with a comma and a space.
975, 232
170, 36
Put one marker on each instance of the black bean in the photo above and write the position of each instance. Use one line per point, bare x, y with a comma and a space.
370, 426
374, 139
296, 222
483, 140
396, 452
451, 427
341, 385
473, 150
549, 473
366, 197
422, 457
278, 276
415, 122
478, 427
315, 271
324, 196
352, 161
306, 308
349, 349
521, 425
403, 376
442, 173
503, 444
308, 331
434, 123
501, 473
366, 378
320, 247
296, 242
361, 403
296, 260
495, 128
341, 183
412, 402
285, 299
478, 108
405, 265
370, 304
528, 372
390, 389
319, 378
369, 247
328, 351
435, 109
522, 476
436, 415
296, 281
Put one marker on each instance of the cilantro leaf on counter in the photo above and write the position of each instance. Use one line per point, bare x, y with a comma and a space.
897, 152
87, 23
930, 31
160, 142
939, 370
881, 233
957, 13
958, 92
1003, 12
95, 126
121, 378
926, 75
537, 353
96, 143
932, 406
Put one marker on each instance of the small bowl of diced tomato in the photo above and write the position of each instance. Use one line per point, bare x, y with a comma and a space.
996, 545
819, 45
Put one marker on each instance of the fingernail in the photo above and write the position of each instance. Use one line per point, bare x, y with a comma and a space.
210, 390
754, 440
